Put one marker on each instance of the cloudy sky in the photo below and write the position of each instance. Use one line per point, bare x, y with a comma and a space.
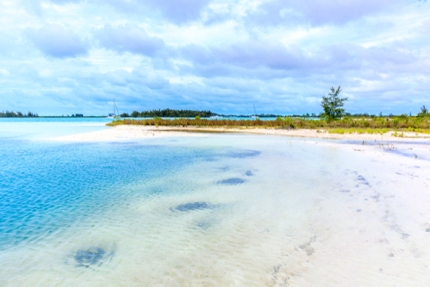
74, 56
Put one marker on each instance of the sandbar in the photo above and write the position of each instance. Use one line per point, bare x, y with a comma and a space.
127, 132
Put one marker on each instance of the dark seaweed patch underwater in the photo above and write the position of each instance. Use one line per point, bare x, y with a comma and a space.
231, 181
91, 256
193, 206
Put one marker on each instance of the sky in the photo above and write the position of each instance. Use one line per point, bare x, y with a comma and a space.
60, 57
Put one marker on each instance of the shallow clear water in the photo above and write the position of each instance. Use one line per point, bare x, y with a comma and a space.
214, 210
46, 186
41, 128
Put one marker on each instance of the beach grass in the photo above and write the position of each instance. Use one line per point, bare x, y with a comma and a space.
346, 125
359, 131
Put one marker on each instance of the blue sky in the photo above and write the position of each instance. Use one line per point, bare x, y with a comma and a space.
74, 56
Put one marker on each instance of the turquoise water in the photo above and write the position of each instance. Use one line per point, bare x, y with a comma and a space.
46, 186
40, 128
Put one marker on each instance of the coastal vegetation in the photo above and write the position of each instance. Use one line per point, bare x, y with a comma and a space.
334, 119
424, 112
332, 105
168, 113
10, 114
344, 125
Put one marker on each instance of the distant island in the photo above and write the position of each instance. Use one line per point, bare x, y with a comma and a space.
10, 114
172, 113
168, 113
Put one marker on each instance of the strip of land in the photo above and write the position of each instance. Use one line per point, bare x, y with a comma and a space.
127, 132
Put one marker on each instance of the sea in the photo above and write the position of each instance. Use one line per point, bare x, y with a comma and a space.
208, 210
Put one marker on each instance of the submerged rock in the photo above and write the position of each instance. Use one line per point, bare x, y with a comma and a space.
231, 181
91, 256
193, 206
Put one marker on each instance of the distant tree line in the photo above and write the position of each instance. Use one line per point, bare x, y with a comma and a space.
168, 113
10, 114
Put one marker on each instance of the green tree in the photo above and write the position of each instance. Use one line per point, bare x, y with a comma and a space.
332, 105
424, 112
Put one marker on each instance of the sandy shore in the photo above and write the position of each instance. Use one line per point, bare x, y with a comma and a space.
119, 133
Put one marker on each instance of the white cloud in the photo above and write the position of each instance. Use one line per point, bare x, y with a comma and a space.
128, 38
219, 54
57, 41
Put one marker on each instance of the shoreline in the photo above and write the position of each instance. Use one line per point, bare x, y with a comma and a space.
127, 132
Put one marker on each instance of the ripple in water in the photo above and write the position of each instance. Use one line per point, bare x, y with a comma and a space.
46, 187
